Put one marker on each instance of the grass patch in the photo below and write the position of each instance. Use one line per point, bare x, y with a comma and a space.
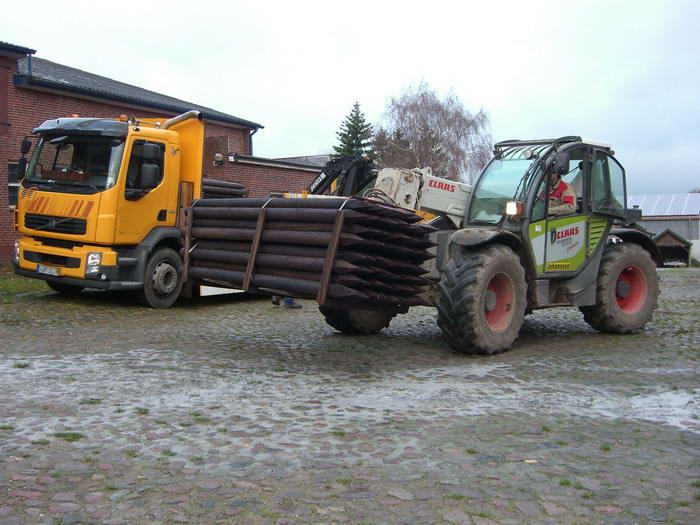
344, 481
565, 483
161, 422
339, 433
167, 452
696, 483
21, 364
562, 443
111, 487
679, 503
131, 454
454, 496
69, 436
91, 401
605, 448
186, 424
6, 427
12, 285
545, 428
119, 411
222, 429
471, 451
141, 411
579, 486
41, 442
202, 420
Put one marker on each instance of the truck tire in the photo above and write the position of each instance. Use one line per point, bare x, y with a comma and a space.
481, 300
65, 289
357, 321
627, 290
162, 279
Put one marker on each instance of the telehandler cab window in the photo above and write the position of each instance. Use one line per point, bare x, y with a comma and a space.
66, 162
498, 185
608, 186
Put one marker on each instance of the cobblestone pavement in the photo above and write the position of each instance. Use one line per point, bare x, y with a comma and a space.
231, 410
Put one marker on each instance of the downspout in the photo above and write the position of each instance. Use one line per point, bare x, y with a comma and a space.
250, 142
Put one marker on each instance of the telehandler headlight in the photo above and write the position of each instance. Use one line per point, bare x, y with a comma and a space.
514, 208
94, 259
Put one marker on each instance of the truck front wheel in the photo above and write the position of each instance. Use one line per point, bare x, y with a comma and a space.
162, 279
482, 300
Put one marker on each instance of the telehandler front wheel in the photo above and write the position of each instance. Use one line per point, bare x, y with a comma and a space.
627, 290
162, 279
357, 321
482, 299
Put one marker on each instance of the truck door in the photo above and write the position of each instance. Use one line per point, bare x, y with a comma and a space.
140, 208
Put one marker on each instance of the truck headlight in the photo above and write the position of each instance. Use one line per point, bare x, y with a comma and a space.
93, 262
15, 256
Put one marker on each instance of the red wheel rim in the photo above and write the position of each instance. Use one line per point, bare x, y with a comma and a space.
498, 308
631, 289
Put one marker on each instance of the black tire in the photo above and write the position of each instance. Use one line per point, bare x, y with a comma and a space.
162, 279
627, 290
65, 289
364, 322
481, 300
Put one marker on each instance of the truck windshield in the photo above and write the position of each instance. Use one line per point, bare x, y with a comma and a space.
91, 163
498, 185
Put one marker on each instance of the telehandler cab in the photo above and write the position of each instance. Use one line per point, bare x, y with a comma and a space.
501, 254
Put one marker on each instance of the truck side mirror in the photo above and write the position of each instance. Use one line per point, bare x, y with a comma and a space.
150, 152
25, 146
21, 167
150, 175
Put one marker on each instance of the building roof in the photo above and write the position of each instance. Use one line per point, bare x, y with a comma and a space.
672, 204
41, 73
678, 236
14, 50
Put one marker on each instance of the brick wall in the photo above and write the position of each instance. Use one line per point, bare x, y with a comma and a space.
27, 108
261, 180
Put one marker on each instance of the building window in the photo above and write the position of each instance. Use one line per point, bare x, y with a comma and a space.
12, 184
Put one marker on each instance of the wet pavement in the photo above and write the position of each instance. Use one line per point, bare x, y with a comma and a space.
232, 410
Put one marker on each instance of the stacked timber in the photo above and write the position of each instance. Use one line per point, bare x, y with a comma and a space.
217, 189
334, 250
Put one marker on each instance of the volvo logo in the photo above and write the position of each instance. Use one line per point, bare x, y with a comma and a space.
51, 225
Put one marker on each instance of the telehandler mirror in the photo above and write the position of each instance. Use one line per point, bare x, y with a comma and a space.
25, 146
557, 163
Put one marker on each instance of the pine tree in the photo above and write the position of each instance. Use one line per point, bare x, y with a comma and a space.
355, 135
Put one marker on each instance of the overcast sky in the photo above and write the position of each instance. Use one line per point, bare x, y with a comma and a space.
621, 72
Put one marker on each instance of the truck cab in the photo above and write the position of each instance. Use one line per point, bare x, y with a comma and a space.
99, 204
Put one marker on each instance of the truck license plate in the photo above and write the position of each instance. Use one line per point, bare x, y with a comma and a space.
48, 270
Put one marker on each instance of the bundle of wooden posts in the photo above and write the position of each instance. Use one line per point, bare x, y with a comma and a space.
216, 189
341, 252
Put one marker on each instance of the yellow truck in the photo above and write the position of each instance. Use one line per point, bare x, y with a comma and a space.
101, 201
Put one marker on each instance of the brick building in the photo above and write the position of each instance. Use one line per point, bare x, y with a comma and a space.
33, 90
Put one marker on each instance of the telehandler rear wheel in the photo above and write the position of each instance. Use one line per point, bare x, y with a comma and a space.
65, 289
162, 279
357, 321
482, 299
627, 290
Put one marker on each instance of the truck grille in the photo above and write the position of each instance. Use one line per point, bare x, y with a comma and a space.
51, 223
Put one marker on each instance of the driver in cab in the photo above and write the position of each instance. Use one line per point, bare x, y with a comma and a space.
562, 197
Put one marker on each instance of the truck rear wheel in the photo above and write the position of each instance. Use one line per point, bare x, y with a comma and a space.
627, 290
162, 279
481, 300
357, 321
65, 289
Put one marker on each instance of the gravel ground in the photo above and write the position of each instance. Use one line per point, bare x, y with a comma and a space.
232, 410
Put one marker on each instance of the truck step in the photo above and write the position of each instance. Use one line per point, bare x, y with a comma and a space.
127, 261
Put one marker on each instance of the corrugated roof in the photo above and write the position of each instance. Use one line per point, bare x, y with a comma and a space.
666, 204
51, 75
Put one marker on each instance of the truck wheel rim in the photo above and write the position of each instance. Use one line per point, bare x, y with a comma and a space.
631, 290
164, 278
499, 312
